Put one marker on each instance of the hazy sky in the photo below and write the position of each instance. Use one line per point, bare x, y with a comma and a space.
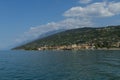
22, 20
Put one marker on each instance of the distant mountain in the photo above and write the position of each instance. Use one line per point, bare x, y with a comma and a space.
99, 37
39, 37
50, 33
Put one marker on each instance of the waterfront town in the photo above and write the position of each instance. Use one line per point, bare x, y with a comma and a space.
93, 46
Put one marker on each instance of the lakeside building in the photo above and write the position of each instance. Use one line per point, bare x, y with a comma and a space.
86, 46
69, 47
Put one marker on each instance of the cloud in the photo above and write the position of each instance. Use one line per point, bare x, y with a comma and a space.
100, 9
114, 7
85, 1
68, 23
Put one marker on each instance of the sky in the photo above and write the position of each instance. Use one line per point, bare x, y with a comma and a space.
24, 20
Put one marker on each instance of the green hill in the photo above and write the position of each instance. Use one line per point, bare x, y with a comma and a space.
99, 37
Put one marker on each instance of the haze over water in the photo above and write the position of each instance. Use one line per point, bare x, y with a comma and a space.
60, 65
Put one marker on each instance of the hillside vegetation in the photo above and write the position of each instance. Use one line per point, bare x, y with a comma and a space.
99, 37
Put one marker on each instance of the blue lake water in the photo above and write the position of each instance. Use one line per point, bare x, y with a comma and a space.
60, 65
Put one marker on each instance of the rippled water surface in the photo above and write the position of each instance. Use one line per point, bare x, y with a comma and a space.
59, 65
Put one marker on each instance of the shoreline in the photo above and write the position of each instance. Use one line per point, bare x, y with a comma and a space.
109, 49
80, 49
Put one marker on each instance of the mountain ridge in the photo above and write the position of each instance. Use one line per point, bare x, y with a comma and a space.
100, 37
